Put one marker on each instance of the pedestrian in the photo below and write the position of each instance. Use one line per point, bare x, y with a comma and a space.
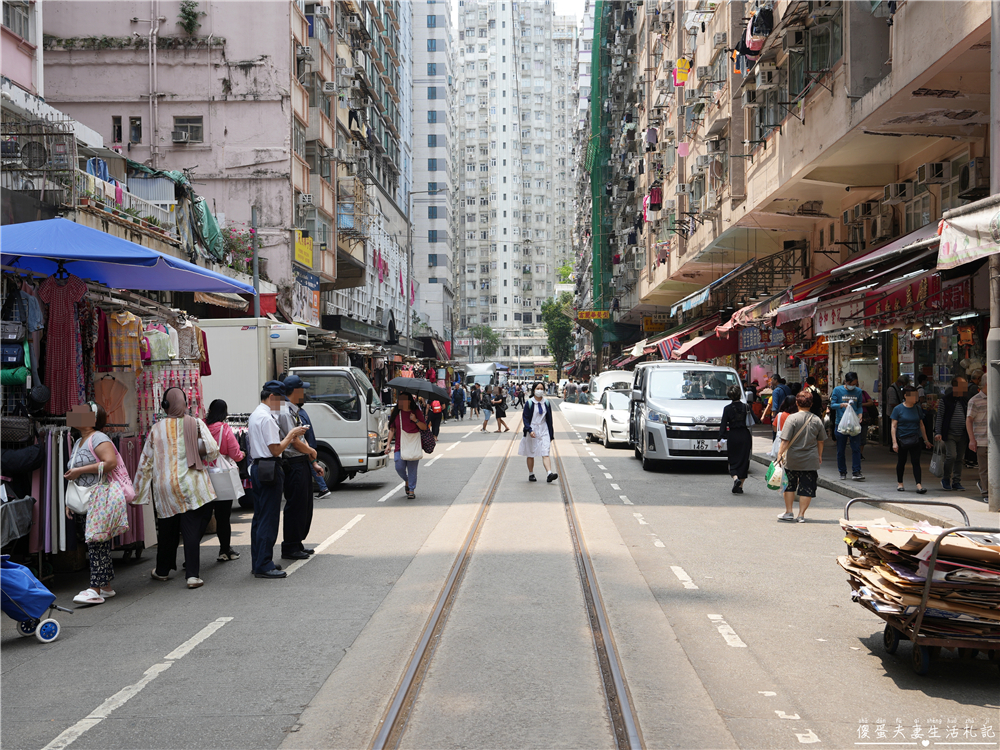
975, 380
801, 454
222, 433
267, 476
536, 419
950, 429
435, 409
739, 442
779, 393
909, 436
894, 393
844, 397
458, 400
406, 417
173, 469
584, 395
500, 407
475, 399
817, 407
298, 463
91, 463
975, 424
487, 406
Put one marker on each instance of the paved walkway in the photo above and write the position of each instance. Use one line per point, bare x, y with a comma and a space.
879, 468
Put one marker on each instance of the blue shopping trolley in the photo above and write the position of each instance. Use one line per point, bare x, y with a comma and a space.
23, 598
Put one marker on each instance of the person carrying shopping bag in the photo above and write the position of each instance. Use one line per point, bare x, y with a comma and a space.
218, 412
801, 454
405, 424
844, 397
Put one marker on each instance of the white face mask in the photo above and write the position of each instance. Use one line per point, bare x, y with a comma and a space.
850, 387
539, 393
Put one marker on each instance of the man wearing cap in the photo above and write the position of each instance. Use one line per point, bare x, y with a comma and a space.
266, 446
299, 457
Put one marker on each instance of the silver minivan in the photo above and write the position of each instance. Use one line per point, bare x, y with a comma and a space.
676, 410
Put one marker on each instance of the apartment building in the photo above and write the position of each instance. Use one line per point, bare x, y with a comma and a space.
433, 215
847, 129
515, 104
294, 109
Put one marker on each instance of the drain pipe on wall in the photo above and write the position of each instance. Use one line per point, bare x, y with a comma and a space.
155, 114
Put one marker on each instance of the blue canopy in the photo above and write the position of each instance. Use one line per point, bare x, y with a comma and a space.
92, 254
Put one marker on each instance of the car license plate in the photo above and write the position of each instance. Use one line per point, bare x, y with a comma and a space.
701, 445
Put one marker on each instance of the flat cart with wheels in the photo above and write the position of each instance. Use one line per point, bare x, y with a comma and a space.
25, 599
927, 628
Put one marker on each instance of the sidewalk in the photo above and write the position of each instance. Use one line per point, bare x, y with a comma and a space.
879, 468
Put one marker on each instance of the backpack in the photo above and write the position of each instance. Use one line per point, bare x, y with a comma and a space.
436, 407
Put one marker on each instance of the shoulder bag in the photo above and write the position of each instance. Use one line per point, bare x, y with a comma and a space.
13, 331
77, 497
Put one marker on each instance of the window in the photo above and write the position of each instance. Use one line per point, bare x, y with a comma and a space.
17, 18
116, 129
432, 69
432, 212
432, 116
336, 391
432, 92
432, 186
135, 130
918, 211
432, 235
192, 126
432, 166
432, 45
432, 22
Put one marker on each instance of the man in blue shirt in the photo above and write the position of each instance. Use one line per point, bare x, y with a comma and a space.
779, 392
847, 396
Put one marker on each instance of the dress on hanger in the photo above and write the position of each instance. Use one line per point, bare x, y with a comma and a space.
62, 375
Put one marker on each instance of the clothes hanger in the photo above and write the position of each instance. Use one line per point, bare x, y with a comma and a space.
61, 272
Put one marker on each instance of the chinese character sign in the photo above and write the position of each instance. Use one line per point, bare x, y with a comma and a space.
592, 315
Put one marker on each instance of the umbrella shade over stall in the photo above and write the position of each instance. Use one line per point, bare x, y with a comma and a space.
420, 387
41, 246
707, 347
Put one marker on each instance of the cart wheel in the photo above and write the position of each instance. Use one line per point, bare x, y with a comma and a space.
27, 627
890, 639
968, 653
921, 659
48, 630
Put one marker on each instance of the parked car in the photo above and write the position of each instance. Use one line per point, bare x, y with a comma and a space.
676, 408
606, 419
618, 380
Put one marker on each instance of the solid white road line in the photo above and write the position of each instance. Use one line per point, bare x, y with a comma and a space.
726, 631
391, 492
683, 577
123, 696
624, 499
325, 543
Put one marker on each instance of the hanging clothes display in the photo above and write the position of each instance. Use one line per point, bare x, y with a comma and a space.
62, 371
125, 330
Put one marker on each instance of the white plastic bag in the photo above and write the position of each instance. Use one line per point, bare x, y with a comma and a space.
225, 477
773, 453
849, 423
410, 448
775, 476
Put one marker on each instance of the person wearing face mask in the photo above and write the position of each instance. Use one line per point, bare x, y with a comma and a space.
538, 433
844, 397
299, 460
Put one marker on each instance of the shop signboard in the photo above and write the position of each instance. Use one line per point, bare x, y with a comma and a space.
921, 295
753, 338
303, 249
956, 296
522, 372
653, 325
970, 237
834, 316
592, 315
305, 298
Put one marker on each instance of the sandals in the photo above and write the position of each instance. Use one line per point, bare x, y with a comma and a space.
230, 554
88, 596
410, 494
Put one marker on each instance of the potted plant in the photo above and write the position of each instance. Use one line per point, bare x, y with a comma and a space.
133, 214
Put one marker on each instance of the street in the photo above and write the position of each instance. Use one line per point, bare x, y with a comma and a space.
733, 630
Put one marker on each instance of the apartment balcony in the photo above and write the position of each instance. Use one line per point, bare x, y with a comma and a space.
300, 26
97, 195
376, 17
322, 193
326, 69
300, 102
326, 265
300, 174
320, 128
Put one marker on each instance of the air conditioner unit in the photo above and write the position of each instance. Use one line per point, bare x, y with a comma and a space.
661, 84
668, 134
711, 199
321, 11
286, 336
703, 161
717, 146
669, 206
825, 8
750, 98
974, 180
305, 199
640, 262
719, 40
865, 209
695, 206
794, 40
881, 228
356, 84
767, 77
353, 23
363, 154
329, 87
703, 72
691, 95
898, 192
934, 173
180, 136
341, 62
304, 52
682, 189
846, 217
347, 72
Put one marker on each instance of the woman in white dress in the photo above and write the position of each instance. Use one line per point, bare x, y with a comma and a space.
538, 433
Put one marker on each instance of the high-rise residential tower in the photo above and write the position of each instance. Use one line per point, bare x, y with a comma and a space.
515, 102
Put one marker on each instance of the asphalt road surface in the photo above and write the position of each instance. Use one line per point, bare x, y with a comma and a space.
733, 630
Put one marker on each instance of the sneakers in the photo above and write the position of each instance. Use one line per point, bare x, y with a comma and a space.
195, 583
531, 478
859, 477
227, 556
786, 517
945, 484
800, 519
957, 486
551, 477
843, 476
324, 495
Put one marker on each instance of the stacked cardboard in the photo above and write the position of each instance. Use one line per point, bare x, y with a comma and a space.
889, 569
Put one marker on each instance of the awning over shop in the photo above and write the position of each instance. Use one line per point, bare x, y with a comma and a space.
922, 238
970, 235
817, 350
222, 299
795, 311
707, 347
693, 300
669, 341
752, 313
42, 246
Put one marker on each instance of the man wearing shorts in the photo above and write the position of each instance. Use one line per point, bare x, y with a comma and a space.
801, 451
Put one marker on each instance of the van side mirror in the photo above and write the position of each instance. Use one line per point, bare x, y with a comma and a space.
636, 395
370, 396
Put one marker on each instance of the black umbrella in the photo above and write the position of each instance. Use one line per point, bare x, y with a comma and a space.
420, 387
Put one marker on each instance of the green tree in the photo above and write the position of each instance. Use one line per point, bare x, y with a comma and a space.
559, 327
487, 339
565, 272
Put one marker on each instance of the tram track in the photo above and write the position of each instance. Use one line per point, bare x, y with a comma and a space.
618, 702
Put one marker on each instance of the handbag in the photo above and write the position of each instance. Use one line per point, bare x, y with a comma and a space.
11, 355
17, 427
12, 332
120, 476
77, 497
910, 441
775, 475
937, 459
267, 471
427, 441
225, 476
410, 446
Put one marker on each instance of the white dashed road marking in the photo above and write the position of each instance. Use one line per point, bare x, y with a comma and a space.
642, 521
469, 433
726, 631
602, 468
791, 717
454, 446
624, 499
325, 543
391, 492
597, 460
683, 577
434, 459
808, 738
608, 476
615, 487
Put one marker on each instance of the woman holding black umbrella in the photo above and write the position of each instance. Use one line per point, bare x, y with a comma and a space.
405, 423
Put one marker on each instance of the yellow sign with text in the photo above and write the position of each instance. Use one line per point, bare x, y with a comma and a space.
303, 249
651, 325
592, 315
